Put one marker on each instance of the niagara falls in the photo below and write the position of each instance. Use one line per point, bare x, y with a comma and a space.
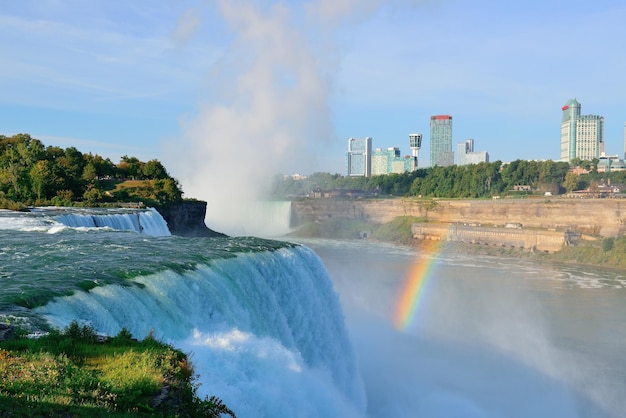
312, 209
276, 328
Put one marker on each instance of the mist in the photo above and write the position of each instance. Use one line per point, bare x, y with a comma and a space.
269, 109
482, 344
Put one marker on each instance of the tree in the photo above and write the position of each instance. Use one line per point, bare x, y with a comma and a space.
40, 178
154, 170
90, 174
571, 182
130, 167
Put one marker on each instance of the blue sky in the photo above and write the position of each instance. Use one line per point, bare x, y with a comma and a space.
244, 89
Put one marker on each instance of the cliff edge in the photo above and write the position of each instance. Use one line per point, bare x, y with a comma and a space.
186, 219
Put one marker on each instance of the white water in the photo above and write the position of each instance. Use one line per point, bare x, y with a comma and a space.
265, 330
55, 219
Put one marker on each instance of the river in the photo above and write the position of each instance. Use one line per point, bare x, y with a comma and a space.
488, 337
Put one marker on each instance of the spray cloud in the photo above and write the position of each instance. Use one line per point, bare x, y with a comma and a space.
271, 109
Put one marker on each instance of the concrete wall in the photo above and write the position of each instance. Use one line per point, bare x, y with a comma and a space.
542, 240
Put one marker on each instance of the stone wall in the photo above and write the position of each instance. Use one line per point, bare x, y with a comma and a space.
590, 216
541, 240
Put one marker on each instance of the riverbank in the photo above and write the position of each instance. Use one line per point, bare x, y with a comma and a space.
605, 252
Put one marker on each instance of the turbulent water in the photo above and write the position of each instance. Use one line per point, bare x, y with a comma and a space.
260, 318
281, 330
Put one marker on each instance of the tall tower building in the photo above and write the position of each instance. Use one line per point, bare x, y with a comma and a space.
359, 157
415, 142
624, 141
582, 136
441, 153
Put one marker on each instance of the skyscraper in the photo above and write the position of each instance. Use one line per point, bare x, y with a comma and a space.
359, 157
582, 136
441, 153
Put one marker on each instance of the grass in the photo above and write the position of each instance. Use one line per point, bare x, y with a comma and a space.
397, 231
335, 229
74, 374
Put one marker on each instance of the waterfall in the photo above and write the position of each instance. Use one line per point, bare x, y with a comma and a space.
54, 219
256, 218
265, 329
148, 222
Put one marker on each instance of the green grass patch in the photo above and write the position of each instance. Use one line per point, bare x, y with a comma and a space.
397, 231
74, 374
335, 229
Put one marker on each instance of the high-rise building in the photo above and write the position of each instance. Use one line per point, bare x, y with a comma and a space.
582, 136
624, 141
441, 153
390, 161
359, 157
465, 153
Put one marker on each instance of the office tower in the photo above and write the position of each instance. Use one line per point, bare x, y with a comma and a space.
415, 142
465, 154
624, 141
462, 149
441, 141
582, 136
390, 161
359, 157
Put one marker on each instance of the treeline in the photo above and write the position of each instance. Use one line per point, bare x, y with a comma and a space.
481, 180
34, 174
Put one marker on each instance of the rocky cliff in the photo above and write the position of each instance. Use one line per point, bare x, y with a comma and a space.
606, 217
186, 219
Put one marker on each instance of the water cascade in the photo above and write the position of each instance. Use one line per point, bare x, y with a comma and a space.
54, 219
265, 330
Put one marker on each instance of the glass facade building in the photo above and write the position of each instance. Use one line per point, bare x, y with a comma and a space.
359, 157
441, 153
390, 161
582, 136
465, 154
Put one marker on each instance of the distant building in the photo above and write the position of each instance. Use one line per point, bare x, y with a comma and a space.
441, 153
415, 142
390, 161
465, 154
582, 136
359, 157
608, 163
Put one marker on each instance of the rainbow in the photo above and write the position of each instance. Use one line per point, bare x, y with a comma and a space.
414, 288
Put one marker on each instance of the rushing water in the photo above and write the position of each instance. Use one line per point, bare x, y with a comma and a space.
264, 320
260, 318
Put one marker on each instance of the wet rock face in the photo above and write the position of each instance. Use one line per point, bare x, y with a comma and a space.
187, 219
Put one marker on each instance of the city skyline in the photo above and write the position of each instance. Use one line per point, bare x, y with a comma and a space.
280, 86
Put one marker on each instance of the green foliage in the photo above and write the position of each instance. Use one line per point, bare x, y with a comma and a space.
473, 181
607, 244
31, 173
71, 373
397, 231
335, 229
